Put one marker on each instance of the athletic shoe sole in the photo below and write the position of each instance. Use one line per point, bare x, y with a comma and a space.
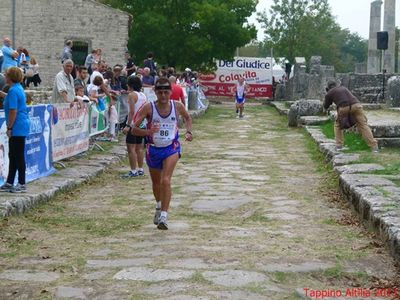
162, 226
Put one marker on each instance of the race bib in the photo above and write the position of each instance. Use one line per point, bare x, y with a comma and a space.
165, 136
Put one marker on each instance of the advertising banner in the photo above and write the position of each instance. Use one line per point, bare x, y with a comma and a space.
70, 131
97, 120
99, 116
38, 146
257, 73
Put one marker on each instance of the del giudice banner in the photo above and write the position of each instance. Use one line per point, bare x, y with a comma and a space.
70, 131
37, 144
257, 73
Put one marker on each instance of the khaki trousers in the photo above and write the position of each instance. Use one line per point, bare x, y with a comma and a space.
361, 121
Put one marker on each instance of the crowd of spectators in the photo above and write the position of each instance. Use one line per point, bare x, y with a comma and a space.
76, 85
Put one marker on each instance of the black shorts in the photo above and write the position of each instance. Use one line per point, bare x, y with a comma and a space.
132, 139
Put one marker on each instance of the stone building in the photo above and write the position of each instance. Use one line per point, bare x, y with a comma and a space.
43, 26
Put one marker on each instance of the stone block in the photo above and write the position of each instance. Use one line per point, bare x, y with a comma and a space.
304, 108
358, 168
393, 91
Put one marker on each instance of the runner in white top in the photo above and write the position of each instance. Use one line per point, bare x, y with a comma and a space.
240, 91
163, 148
134, 144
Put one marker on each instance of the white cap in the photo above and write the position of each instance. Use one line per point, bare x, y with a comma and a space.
188, 70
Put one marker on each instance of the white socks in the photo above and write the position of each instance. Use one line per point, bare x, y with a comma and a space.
158, 205
164, 214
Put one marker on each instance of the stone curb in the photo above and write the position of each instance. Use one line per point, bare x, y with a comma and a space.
279, 106
375, 198
81, 170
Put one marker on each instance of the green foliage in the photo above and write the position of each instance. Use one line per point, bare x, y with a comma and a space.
188, 33
352, 141
306, 28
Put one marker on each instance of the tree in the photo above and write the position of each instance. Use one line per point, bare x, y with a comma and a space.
306, 28
190, 33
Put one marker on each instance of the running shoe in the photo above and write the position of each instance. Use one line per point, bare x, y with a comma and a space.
162, 223
19, 188
6, 187
375, 149
130, 174
140, 172
157, 216
241, 116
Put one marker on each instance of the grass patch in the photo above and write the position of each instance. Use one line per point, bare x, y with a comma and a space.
280, 276
334, 272
352, 140
198, 277
98, 226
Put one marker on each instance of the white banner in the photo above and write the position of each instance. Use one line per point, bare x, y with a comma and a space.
70, 131
256, 71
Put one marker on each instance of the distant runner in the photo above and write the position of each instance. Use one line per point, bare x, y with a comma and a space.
240, 93
134, 144
163, 148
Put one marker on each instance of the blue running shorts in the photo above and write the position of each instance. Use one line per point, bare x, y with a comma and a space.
155, 156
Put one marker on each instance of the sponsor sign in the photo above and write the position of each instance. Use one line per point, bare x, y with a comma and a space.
257, 73
38, 146
70, 131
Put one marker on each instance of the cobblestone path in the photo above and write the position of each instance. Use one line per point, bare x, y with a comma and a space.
252, 217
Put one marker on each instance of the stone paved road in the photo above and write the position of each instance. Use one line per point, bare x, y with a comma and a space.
250, 219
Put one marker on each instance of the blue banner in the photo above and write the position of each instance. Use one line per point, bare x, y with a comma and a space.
38, 144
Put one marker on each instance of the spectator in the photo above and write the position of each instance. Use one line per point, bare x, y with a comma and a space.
2, 81
9, 55
81, 78
112, 119
147, 79
21, 57
115, 82
97, 70
27, 56
94, 89
98, 54
63, 90
130, 65
149, 63
171, 72
67, 52
81, 98
176, 91
32, 73
1, 58
348, 106
90, 59
17, 121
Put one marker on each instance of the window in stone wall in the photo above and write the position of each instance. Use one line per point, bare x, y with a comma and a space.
80, 50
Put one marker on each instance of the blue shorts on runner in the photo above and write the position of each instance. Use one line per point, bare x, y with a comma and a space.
240, 100
155, 156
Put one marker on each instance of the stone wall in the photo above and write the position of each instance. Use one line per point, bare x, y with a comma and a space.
366, 87
43, 28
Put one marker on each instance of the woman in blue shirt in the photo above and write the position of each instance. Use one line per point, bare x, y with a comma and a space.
17, 121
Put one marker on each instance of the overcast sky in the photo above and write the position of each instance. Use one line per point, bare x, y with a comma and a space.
351, 14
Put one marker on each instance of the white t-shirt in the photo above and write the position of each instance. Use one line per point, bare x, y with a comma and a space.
93, 90
94, 75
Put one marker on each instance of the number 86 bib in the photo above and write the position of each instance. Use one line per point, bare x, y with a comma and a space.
168, 127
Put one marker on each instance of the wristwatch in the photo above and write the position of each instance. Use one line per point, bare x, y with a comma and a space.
9, 128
